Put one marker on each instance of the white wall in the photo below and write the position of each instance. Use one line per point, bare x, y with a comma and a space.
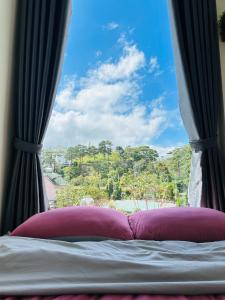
7, 29
221, 8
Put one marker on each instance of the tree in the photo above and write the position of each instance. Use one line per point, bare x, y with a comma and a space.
142, 152
92, 151
48, 158
72, 171
117, 191
73, 193
179, 164
81, 151
120, 150
105, 174
162, 171
71, 154
105, 147
109, 188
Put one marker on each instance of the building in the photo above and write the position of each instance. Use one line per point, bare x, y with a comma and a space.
52, 183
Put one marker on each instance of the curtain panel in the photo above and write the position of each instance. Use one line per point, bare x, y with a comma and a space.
42, 27
196, 47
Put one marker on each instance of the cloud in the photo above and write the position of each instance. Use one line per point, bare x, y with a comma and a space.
72, 127
154, 66
105, 104
157, 102
128, 64
131, 60
98, 96
131, 30
163, 151
98, 53
111, 26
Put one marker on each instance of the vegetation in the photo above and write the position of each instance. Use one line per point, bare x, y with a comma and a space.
106, 174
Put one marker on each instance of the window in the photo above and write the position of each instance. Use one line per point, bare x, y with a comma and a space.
116, 138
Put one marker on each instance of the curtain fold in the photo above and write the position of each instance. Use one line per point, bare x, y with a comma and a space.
196, 48
42, 27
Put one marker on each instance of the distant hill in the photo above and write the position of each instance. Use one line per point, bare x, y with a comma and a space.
106, 173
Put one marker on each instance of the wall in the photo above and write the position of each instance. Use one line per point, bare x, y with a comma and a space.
220, 8
7, 30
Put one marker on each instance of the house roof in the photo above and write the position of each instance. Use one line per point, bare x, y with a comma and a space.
50, 188
57, 179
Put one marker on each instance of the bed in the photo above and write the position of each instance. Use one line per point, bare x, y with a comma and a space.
114, 268
119, 297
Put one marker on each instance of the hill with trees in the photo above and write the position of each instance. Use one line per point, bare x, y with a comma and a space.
106, 173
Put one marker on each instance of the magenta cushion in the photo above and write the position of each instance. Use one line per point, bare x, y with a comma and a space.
76, 222
185, 224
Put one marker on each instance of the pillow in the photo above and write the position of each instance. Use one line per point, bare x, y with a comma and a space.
77, 223
184, 224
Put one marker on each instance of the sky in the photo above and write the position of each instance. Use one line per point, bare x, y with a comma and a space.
118, 80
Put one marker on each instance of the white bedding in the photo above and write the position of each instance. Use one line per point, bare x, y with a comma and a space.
45, 267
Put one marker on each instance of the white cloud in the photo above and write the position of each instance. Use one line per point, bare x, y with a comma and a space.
163, 151
131, 61
98, 96
111, 26
154, 66
73, 127
105, 105
157, 102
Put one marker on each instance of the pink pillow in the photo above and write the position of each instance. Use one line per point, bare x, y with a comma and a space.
79, 223
184, 224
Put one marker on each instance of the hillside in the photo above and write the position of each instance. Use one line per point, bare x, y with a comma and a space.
106, 174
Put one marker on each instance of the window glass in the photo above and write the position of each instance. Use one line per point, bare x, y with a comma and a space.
115, 137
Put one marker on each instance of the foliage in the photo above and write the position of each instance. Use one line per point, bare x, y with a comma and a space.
106, 174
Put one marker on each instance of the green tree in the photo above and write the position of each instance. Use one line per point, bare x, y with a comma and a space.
71, 154
106, 174
120, 150
92, 151
81, 187
105, 147
48, 158
142, 152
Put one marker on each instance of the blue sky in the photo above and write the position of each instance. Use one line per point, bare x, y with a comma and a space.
118, 79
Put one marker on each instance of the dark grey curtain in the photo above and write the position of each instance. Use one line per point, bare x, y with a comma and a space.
194, 28
41, 34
